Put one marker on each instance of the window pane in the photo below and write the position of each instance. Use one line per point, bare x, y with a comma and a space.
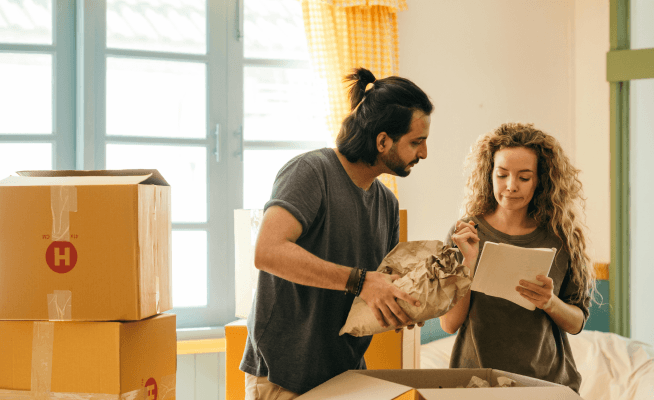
157, 25
24, 156
184, 167
641, 192
26, 21
189, 268
640, 21
26, 93
284, 104
274, 29
156, 98
260, 168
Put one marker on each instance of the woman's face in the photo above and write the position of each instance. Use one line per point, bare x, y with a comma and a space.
514, 178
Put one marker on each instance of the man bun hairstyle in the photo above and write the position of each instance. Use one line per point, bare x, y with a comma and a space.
388, 106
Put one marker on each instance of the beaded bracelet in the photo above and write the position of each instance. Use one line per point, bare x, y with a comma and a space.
362, 278
353, 281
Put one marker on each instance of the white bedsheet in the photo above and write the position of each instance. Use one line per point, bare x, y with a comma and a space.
612, 367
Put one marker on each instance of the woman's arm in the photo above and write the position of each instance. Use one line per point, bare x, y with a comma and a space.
568, 317
453, 319
466, 239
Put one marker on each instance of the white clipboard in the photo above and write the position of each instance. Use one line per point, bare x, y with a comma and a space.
502, 266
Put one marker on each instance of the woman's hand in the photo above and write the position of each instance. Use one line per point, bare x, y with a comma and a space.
466, 239
540, 296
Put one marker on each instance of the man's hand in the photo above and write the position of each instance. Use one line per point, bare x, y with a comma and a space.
380, 295
466, 239
409, 327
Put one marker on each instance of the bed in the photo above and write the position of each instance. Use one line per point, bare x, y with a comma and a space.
612, 367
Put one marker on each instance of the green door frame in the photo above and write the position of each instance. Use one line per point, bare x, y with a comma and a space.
622, 65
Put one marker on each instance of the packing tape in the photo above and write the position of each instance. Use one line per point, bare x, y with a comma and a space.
59, 305
63, 201
41, 380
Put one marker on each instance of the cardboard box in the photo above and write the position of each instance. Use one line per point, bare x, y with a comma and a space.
426, 384
135, 360
388, 350
85, 245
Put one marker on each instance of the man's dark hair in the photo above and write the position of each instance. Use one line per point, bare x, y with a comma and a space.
388, 106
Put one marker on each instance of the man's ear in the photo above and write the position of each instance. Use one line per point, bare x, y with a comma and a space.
384, 142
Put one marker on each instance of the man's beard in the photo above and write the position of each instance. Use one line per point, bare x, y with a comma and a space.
395, 163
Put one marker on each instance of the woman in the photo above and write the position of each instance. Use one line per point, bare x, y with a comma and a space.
523, 190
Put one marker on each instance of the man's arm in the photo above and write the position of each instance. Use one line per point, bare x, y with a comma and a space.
277, 253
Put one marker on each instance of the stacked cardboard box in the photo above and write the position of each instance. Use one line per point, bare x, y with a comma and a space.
85, 275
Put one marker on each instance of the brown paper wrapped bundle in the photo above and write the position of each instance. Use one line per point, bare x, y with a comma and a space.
429, 271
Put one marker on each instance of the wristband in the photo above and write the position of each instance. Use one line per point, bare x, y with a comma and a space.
362, 278
353, 281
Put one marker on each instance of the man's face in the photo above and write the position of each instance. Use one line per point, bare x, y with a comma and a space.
410, 148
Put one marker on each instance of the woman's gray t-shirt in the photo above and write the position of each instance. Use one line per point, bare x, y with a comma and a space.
500, 334
293, 329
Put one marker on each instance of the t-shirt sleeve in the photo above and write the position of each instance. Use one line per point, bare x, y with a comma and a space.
569, 294
299, 190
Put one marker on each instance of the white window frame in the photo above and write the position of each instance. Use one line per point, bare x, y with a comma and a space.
224, 61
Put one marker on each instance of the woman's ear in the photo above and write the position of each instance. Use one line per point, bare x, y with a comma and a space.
384, 142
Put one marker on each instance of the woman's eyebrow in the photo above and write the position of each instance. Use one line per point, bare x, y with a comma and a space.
522, 170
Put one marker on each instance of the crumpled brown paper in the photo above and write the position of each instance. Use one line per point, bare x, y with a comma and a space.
429, 271
502, 381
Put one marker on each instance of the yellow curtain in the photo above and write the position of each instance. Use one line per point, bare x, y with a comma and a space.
345, 34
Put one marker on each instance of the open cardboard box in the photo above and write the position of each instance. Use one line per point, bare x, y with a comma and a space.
428, 384
85, 245
89, 360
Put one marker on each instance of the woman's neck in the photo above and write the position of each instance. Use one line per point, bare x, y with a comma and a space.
511, 222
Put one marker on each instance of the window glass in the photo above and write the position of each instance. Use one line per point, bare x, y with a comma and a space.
641, 193
189, 268
26, 93
26, 21
183, 167
640, 22
154, 98
24, 156
157, 25
274, 30
284, 104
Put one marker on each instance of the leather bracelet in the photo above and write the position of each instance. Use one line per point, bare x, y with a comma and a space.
353, 281
362, 278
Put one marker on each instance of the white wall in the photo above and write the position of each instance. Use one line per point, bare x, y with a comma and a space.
483, 63
488, 62
592, 112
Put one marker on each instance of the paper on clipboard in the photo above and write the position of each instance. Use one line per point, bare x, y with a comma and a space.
501, 266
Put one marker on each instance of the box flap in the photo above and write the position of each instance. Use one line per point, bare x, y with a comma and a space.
154, 177
517, 393
72, 180
354, 385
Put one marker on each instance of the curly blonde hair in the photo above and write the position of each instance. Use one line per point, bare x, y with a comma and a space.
558, 203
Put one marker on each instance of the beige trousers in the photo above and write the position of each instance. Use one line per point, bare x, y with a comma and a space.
260, 388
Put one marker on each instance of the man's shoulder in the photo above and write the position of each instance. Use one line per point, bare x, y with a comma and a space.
318, 156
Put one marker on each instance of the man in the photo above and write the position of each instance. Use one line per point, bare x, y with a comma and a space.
328, 220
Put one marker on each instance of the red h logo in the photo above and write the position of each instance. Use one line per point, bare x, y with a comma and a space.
151, 390
61, 256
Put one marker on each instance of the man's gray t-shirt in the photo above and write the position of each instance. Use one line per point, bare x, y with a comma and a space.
293, 329
500, 334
